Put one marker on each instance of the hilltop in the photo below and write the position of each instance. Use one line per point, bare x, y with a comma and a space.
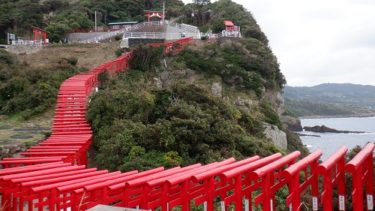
331, 100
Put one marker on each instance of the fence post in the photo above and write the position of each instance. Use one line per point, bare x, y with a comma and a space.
361, 168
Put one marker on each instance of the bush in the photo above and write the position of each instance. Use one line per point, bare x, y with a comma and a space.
270, 116
28, 92
119, 51
139, 127
73, 61
146, 58
118, 37
6, 58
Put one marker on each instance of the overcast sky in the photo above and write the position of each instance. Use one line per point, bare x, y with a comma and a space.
319, 41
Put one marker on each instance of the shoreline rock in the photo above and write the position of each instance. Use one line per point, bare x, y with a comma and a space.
309, 135
292, 123
325, 129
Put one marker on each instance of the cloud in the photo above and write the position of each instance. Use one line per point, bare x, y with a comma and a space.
320, 41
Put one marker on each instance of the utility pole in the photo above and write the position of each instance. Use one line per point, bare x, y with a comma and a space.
96, 23
8, 38
163, 12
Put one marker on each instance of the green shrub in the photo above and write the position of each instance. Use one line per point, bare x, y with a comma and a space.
73, 61
270, 116
6, 58
146, 58
27, 91
139, 127
245, 64
118, 37
119, 51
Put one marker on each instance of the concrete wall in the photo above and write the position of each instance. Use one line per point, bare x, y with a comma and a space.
130, 42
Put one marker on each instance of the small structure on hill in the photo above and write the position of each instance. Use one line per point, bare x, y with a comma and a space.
121, 25
39, 37
154, 14
40, 34
231, 30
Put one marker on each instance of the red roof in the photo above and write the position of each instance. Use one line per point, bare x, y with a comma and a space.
228, 23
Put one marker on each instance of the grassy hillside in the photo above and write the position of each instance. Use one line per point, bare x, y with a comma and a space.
29, 83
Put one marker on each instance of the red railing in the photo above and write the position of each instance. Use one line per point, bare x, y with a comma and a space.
307, 166
53, 174
270, 180
361, 167
333, 172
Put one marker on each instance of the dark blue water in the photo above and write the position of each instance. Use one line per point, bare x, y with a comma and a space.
330, 142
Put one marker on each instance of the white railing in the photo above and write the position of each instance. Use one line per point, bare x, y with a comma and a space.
176, 36
225, 33
189, 28
142, 25
102, 37
153, 35
185, 27
28, 42
158, 35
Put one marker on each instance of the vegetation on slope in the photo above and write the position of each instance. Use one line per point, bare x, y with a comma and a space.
345, 94
210, 16
299, 108
139, 126
245, 63
29, 91
60, 16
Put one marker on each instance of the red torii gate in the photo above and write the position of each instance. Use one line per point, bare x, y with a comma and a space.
151, 14
54, 174
40, 34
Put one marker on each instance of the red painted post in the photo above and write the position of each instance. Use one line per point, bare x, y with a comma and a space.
292, 174
333, 173
361, 168
269, 184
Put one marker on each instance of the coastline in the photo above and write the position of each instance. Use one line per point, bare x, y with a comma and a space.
337, 116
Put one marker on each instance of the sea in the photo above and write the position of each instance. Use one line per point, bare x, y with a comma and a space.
330, 142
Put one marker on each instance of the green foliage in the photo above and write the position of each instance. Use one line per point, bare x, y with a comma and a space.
6, 58
57, 31
294, 143
119, 51
67, 21
213, 16
306, 108
146, 58
20, 15
26, 91
60, 16
270, 116
137, 126
245, 63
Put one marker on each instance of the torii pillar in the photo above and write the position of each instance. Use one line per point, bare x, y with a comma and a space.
151, 14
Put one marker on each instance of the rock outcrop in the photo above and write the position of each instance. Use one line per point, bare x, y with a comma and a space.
277, 136
217, 89
292, 123
276, 100
325, 129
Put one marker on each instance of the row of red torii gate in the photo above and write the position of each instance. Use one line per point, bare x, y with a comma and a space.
54, 175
